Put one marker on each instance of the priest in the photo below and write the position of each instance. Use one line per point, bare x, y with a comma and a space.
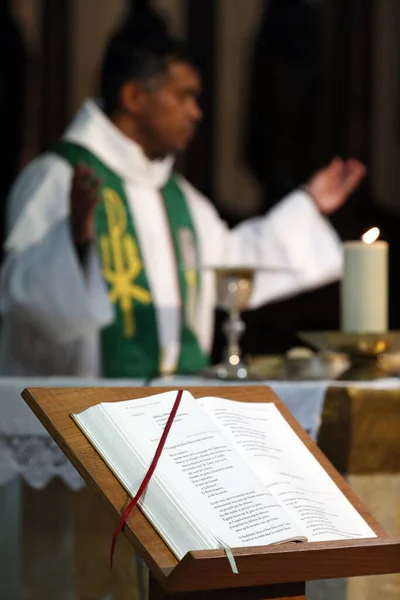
108, 246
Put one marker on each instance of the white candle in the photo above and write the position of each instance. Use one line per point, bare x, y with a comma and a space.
364, 291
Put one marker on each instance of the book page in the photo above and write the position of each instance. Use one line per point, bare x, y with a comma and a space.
288, 469
204, 472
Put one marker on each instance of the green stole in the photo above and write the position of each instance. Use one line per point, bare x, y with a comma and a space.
130, 346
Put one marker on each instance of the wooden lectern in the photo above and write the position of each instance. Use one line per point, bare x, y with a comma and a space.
268, 572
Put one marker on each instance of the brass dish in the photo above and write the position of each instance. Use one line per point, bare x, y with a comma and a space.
365, 350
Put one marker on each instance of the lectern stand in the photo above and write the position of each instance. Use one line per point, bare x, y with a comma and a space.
267, 572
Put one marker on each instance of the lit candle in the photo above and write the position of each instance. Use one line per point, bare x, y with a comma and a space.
364, 293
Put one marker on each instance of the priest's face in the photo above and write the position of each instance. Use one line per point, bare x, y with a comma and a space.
169, 112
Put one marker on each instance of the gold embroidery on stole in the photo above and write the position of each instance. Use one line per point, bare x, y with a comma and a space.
120, 261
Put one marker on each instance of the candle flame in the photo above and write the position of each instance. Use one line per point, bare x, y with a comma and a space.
371, 235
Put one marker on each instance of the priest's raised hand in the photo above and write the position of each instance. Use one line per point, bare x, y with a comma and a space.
330, 187
84, 197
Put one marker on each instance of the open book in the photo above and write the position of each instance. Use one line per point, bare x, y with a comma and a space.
231, 473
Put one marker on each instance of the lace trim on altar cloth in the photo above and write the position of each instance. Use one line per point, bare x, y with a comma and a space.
37, 459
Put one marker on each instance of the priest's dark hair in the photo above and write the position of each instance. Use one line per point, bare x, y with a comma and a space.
141, 51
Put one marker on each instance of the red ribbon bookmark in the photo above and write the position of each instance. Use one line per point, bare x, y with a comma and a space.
148, 475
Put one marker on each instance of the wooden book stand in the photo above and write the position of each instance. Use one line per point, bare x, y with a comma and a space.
268, 572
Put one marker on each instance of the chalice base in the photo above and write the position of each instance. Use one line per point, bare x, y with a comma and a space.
228, 372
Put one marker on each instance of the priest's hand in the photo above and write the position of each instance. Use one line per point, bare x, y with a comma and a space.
331, 187
84, 197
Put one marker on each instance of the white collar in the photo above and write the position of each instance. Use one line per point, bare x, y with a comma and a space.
93, 130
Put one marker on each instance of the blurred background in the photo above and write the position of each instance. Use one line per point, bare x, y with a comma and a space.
287, 85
